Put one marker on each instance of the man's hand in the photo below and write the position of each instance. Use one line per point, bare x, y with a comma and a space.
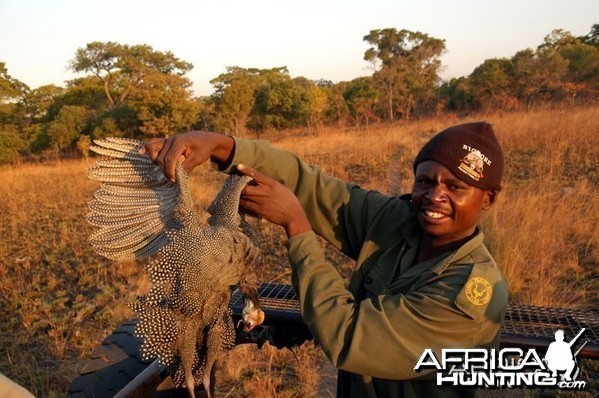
273, 201
195, 147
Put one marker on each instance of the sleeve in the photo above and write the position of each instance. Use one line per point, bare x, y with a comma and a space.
383, 336
338, 211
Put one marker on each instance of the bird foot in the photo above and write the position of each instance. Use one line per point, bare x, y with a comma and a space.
252, 318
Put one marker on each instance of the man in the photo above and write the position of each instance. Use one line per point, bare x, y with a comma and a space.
423, 277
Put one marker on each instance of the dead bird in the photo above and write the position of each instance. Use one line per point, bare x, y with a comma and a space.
185, 321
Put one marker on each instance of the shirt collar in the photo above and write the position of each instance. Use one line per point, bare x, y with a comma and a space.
461, 252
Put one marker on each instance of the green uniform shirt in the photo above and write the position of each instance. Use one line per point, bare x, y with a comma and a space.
376, 329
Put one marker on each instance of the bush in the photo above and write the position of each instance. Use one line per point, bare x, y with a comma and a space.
10, 145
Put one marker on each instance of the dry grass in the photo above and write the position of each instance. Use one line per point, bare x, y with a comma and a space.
269, 372
58, 299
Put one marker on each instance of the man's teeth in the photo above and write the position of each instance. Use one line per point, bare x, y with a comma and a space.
433, 214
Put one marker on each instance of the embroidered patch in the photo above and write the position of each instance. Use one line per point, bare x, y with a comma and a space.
472, 164
479, 291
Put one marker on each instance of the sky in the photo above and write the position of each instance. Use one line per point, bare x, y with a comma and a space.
317, 39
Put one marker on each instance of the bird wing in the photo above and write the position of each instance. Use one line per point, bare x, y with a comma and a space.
136, 204
224, 209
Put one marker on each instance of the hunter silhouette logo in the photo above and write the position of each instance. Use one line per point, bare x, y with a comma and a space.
559, 356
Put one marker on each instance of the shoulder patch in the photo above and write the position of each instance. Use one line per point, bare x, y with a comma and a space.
478, 291
484, 294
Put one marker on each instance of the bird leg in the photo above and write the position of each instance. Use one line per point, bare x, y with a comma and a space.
190, 384
213, 346
190, 338
220, 336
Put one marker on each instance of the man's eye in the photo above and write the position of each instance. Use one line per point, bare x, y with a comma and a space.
458, 186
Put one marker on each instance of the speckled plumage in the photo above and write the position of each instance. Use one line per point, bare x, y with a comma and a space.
184, 319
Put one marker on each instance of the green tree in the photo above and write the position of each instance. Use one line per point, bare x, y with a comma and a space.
581, 55
121, 67
361, 98
317, 104
35, 104
406, 65
85, 91
163, 105
308, 102
145, 91
593, 37
106, 126
66, 128
206, 115
537, 75
240, 99
563, 66
33, 110
458, 94
10, 146
491, 83
336, 110
11, 90
282, 102
234, 97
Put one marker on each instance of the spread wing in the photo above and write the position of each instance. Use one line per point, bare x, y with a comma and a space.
224, 209
136, 204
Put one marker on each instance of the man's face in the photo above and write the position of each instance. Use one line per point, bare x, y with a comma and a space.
448, 209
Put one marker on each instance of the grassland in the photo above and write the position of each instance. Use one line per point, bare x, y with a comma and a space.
58, 299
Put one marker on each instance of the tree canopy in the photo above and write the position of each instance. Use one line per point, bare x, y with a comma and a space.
406, 66
136, 91
121, 67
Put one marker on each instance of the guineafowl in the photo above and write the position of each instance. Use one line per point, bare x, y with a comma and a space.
184, 320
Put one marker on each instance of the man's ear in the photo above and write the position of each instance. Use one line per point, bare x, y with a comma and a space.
490, 198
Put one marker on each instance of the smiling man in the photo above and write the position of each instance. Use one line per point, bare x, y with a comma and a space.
423, 277
454, 181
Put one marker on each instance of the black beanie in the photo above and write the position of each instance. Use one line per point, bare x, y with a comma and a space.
470, 151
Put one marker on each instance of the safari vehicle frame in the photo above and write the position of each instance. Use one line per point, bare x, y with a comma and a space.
115, 368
